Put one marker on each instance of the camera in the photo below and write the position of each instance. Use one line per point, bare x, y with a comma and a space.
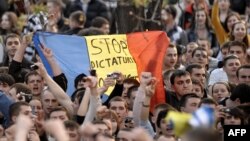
114, 75
25, 97
34, 67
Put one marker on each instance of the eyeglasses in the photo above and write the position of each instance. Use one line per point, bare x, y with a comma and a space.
10, 43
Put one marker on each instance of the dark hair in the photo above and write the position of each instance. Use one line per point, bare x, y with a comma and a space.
11, 35
26, 79
79, 93
242, 67
131, 81
229, 57
242, 92
15, 108
208, 101
238, 43
60, 108
178, 73
98, 22
20, 87
198, 49
6, 78
120, 99
171, 10
71, 124
90, 31
161, 115
190, 67
79, 17
132, 89
79, 78
236, 112
197, 82
229, 16
225, 45
184, 98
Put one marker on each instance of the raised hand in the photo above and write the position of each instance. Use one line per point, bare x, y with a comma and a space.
145, 79
150, 88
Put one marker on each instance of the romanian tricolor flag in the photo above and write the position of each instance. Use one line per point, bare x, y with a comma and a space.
131, 54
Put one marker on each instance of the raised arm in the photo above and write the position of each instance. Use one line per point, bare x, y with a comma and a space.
58, 75
94, 99
56, 90
139, 98
219, 30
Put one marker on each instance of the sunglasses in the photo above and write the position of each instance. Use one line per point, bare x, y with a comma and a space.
10, 43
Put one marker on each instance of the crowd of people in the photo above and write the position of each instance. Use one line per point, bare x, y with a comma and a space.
206, 64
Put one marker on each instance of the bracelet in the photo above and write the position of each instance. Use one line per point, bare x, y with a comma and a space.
145, 105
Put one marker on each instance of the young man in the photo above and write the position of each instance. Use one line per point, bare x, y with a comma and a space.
182, 84
35, 82
197, 72
176, 34
170, 58
189, 50
120, 106
200, 56
101, 23
243, 74
239, 49
6, 81
189, 103
231, 65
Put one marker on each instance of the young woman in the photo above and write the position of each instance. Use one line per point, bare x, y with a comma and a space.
9, 23
239, 33
201, 28
221, 24
220, 90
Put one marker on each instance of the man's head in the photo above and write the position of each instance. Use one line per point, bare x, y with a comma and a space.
19, 108
240, 95
233, 116
120, 106
12, 43
204, 43
243, 74
127, 83
55, 7
189, 103
49, 101
79, 81
170, 58
6, 81
231, 65
72, 129
35, 82
59, 113
164, 127
168, 14
190, 47
239, 49
101, 23
197, 72
209, 102
77, 19
224, 49
131, 96
181, 82
200, 56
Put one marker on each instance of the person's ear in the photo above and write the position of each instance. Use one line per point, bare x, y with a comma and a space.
14, 118
237, 101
